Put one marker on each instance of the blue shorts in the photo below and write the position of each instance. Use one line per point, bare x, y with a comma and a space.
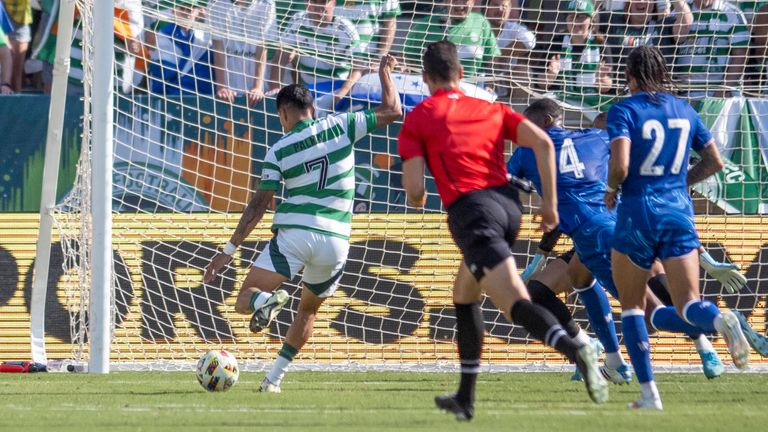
645, 234
593, 241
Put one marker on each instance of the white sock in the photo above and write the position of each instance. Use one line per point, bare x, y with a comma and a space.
614, 359
582, 338
703, 344
261, 298
275, 375
649, 391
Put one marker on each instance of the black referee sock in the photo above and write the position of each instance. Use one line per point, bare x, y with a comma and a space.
469, 326
544, 297
543, 326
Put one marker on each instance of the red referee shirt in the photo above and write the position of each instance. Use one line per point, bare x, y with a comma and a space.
462, 140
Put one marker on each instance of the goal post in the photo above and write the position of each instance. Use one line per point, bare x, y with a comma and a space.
66, 14
100, 310
179, 112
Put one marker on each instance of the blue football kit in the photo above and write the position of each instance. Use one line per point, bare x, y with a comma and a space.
655, 215
581, 157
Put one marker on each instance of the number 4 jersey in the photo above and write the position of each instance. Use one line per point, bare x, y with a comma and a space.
581, 157
316, 162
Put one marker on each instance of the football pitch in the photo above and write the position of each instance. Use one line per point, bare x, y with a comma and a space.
143, 401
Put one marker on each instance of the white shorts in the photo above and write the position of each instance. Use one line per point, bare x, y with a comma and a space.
321, 256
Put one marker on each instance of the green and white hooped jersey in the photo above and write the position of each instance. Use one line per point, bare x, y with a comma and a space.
325, 52
365, 15
703, 55
474, 39
580, 69
316, 162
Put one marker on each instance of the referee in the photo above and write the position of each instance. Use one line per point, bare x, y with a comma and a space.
461, 140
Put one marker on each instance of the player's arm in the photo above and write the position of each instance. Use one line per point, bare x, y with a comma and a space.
531, 136
413, 181
390, 109
251, 216
410, 147
709, 164
546, 244
618, 168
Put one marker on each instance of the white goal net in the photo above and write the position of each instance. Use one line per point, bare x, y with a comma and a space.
194, 114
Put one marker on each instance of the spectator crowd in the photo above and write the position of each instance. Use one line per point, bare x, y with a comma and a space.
246, 49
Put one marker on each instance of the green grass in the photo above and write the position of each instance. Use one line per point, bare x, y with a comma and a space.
139, 401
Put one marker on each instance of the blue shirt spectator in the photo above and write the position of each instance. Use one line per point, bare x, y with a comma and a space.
181, 64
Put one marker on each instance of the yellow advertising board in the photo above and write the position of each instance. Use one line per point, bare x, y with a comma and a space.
393, 307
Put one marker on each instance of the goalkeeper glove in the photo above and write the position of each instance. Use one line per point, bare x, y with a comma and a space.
536, 264
727, 274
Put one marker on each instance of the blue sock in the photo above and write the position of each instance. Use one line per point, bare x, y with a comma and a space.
636, 341
666, 318
701, 314
600, 315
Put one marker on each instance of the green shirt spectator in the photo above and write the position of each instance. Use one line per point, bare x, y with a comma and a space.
325, 49
750, 8
469, 31
714, 52
374, 20
576, 65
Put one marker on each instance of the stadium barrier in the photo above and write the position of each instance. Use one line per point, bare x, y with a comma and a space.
392, 307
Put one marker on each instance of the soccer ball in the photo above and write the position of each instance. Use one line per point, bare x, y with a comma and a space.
217, 371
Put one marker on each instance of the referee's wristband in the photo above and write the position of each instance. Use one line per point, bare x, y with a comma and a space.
609, 189
229, 249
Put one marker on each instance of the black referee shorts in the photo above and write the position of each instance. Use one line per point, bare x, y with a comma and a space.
484, 224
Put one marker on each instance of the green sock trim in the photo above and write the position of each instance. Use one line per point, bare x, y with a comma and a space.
288, 352
253, 300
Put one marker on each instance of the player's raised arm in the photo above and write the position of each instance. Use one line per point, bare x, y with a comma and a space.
530, 135
390, 108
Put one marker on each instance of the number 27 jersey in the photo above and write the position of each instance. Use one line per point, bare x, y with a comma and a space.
662, 130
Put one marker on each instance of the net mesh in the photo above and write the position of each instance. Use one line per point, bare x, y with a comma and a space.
194, 116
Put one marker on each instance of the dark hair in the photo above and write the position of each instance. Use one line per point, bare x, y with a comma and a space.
648, 67
441, 61
296, 96
539, 109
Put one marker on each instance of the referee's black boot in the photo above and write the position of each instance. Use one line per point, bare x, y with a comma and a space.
449, 403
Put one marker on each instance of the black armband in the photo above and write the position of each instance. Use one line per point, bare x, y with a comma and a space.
549, 240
